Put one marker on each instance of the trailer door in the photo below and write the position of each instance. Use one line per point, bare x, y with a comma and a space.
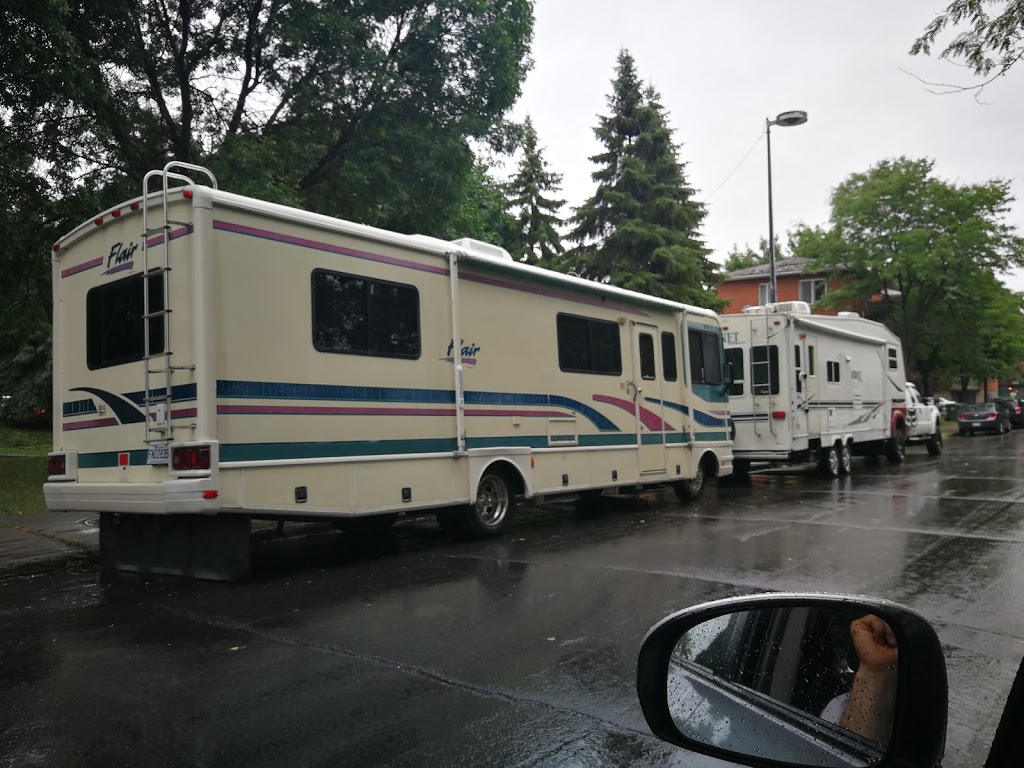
809, 392
647, 377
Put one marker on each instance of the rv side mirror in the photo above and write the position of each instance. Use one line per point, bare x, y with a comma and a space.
799, 679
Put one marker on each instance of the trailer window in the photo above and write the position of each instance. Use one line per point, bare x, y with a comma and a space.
668, 356
353, 315
588, 345
833, 371
114, 323
647, 356
893, 362
705, 357
799, 370
734, 359
764, 370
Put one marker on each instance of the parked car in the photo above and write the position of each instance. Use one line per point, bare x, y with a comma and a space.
993, 416
1016, 407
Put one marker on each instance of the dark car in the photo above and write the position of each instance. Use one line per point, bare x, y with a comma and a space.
992, 416
1016, 408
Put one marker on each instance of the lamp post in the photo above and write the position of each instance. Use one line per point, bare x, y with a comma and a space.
784, 120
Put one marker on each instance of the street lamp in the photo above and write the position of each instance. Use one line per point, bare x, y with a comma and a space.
785, 120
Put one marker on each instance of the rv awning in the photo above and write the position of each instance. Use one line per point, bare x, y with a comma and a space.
831, 329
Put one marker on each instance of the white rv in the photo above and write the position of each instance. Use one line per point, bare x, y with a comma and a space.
813, 388
218, 358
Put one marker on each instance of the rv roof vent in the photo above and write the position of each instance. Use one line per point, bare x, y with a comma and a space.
758, 310
480, 248
847, 314
793, 307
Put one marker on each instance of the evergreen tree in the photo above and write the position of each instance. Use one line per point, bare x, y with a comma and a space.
641, 228
535, 237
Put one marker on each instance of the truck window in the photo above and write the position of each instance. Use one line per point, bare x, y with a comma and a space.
647, 356
588, 345
668, 356
764, 370
705, 357
114, 324
734, 357
353, 315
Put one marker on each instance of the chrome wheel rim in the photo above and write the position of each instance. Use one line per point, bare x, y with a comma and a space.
833, 462
492, 500
846, 458
698, 480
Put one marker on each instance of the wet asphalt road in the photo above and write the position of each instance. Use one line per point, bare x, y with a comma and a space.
518, 651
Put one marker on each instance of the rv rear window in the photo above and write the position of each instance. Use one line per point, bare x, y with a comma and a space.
764, 370
734, 361
114, 324
588, 345
353, 315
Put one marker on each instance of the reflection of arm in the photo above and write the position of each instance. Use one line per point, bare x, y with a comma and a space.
872, 699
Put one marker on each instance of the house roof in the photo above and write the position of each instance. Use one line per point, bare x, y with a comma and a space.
794, 265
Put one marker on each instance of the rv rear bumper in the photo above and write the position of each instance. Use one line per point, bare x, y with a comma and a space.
173, 497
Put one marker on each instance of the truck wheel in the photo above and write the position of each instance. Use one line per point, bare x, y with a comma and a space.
691, 490
896, 450
486, 516
845, 460
830, 462
935, 443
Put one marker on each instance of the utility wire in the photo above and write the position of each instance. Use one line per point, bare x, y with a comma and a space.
738, 166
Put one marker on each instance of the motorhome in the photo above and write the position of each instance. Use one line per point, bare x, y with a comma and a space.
219, 358
814, 388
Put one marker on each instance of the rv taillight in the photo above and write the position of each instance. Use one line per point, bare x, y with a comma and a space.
56, 246
57, 466
190, 457
187, 194
98, 220
778, 414
116, 212
134, 206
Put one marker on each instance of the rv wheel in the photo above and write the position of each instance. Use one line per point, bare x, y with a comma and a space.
935, 443
691, 490
845, 460
486, 516
896, 450
830, 462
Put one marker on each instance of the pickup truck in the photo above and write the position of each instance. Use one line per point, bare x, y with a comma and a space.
923, 421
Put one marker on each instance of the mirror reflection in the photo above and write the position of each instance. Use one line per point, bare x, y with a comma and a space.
809, 686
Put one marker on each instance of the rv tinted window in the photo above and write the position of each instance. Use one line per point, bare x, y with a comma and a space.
799, 369
668, 356
764, 370
734, 358
893, 363
353, 315
646, 356
833, 371
586, 345
113, 321
705, 357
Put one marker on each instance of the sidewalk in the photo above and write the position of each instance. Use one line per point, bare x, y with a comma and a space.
31, 544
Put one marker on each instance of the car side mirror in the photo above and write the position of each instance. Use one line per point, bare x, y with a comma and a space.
797, 680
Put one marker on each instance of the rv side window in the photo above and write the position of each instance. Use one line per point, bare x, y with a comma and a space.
799, 369
705, 357
764, 370
734, 357
114, 324
893, 364
668, 356
646, 356
810, 360
353, 315
833, 371
587, 345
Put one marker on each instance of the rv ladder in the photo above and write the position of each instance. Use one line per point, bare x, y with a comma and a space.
157, 402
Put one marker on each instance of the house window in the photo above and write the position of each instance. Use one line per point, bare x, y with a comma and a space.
588, 345
353, 315
764, 292
668, 356
812, 290
833, 371
734, 364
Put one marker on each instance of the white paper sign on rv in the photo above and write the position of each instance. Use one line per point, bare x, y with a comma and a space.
814, 388
218, 357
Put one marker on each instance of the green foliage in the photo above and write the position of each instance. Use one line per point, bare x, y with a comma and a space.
641, 228
992, 42
530, 193
748, 257
21, 482
920, 254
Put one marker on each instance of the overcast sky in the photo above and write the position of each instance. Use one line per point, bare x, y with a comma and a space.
723, 67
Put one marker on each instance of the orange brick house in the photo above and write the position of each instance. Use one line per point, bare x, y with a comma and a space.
796, 282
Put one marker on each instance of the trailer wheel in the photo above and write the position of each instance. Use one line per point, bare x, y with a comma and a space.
693, 489
486, 516
845, 459
935, 442
830, 462
896, 450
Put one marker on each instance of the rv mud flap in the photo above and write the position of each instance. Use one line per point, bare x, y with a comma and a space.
214, 547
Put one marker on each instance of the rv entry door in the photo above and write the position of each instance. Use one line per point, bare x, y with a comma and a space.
647, 393
806, 387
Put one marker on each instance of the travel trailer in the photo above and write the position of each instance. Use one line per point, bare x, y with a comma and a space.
814, 388
219, 358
